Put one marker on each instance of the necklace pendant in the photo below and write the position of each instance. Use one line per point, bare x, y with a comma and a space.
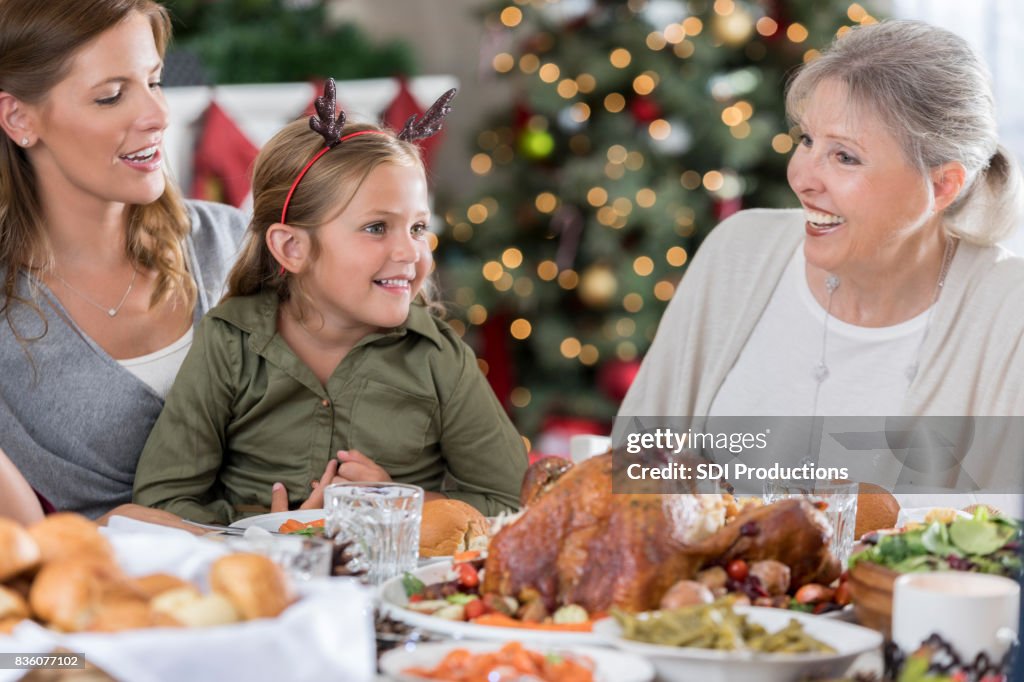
820, 372
112, 312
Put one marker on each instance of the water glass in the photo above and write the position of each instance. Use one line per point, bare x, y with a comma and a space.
302, 558
839, 499
381, 520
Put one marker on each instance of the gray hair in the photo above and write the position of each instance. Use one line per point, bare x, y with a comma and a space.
934, 93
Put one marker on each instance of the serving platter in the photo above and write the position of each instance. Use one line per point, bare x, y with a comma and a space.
273, 521
609, 665
689, 663
393, 602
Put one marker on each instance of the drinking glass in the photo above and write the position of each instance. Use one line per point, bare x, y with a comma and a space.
839, 499
302, 558
381, 520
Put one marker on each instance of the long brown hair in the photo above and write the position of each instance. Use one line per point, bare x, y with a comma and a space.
38, 43
323, 194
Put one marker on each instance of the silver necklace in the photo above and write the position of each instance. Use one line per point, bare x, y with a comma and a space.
820, 371
112, 312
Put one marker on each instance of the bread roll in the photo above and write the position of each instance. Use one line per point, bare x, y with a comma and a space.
65, 535
18, 550
876, 509
12, 604
7, 625
158, 583
127, 615
188, 607
255, 585
67, 593
451, 526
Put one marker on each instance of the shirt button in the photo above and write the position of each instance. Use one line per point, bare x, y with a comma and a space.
325, 402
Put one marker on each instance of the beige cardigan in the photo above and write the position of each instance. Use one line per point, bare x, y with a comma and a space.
972, 362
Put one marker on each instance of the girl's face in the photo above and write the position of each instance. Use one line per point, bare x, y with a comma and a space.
374, 256
98, 132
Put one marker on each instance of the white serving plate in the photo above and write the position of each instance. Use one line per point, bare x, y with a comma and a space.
706, 665
393, 602
273, 521
609, 665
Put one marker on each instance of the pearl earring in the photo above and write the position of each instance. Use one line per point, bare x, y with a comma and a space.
24, 142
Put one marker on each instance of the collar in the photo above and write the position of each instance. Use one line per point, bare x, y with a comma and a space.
257, 316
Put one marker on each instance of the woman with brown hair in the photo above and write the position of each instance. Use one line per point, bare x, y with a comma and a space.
104, 269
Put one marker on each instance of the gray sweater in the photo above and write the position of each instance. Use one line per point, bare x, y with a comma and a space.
71, 418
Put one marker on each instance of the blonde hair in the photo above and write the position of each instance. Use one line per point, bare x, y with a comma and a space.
38, 43
324, 192
933, 92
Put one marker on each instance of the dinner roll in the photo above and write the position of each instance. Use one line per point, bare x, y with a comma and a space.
451, 526
7, 625
67, 535
255, 585
188, 607
158, 583
18, 550
876, 509
67, 593
127, 615
12, 604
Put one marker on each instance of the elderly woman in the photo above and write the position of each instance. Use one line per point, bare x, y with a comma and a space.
104, 268
885, 294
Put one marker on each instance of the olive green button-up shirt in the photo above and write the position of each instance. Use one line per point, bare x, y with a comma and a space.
245, 412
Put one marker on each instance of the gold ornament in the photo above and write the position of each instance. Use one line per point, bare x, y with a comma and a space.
733, 29
598, 286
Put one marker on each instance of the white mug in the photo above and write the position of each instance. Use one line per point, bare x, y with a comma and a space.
974, 612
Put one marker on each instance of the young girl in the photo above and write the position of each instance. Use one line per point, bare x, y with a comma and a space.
325, 348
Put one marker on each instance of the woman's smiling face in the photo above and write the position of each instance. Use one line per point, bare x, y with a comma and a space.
99, 129
862, 199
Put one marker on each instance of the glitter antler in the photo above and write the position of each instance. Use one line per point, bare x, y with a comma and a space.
325, 122
431, 122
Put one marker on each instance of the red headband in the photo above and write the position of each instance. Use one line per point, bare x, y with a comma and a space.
330, 128
288, 199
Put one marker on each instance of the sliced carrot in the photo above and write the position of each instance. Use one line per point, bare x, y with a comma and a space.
462, 666
503, 621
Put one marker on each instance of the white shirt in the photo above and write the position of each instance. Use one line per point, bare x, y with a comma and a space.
774, 373
159, 368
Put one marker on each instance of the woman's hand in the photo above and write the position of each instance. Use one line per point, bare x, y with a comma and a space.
279, 495
355, 466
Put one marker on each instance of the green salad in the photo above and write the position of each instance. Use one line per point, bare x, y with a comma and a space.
981, 543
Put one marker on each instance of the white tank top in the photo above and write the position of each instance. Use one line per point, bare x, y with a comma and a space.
158, 369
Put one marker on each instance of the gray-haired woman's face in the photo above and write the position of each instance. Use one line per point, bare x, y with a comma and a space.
863, 201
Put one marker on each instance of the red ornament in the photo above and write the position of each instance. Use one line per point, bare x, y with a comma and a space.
645, 109
616, 376
726, 207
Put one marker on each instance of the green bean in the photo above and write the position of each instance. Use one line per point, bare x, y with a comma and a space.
716, 626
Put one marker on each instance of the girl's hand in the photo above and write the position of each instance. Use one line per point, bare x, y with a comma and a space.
279, 495
355, 466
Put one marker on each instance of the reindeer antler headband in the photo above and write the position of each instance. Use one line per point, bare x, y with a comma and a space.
330, 127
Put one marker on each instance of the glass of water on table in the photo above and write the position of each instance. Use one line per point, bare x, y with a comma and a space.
381, 520
838, 501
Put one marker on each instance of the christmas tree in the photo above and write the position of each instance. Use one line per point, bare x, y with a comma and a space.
639, 125
277, 41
